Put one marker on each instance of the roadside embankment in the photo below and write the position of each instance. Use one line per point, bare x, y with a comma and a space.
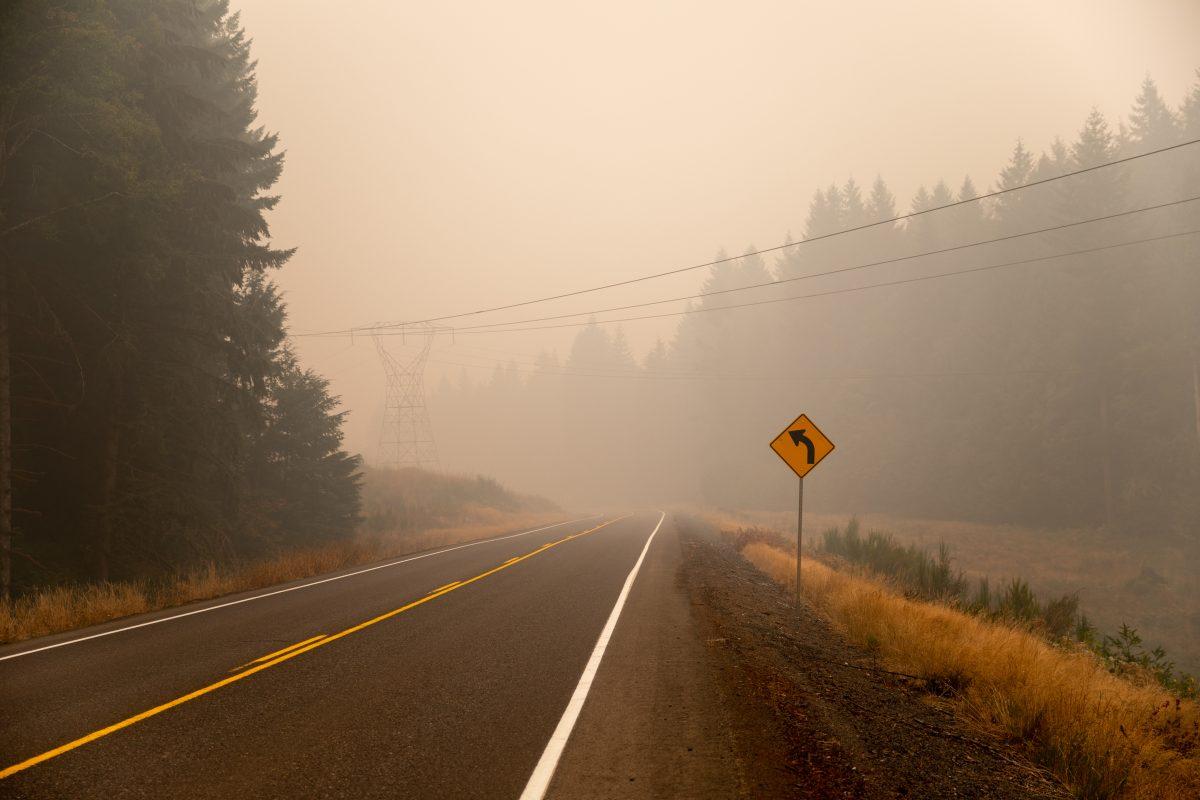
1101, 735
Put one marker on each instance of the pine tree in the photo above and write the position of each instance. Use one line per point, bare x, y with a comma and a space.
882, 203
1015, 210
922, 201
751, 269
786, 262
656, 359
1101, 191
1052, 163
1152, 125
59, 63
1020, 167
621, 354
967, 190
142, 254
1095, 143
855, 214
721, 276
967, 219
835, 203
941, 195
822, 218
1189, 112
308, 486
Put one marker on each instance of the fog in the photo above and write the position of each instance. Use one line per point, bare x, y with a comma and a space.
445, 158
964, 238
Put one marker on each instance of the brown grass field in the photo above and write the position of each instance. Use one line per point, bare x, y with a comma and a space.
1153, 586
1104, 737
68, 607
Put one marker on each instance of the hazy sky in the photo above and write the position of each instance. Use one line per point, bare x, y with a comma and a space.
446, 156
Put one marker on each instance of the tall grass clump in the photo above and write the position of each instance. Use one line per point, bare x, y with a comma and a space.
930, 576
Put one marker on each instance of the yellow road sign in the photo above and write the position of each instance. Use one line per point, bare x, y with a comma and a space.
802, 445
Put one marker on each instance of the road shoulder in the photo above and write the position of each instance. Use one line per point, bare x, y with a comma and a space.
851, 729
714, 688
658, 721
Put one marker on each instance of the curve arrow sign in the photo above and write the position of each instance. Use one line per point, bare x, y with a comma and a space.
801, 437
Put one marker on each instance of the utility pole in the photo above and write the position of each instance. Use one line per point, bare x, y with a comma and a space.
406, 439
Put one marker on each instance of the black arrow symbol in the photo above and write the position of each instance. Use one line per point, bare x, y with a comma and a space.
798, 437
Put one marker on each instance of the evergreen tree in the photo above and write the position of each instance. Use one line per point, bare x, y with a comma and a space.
855, 214
1152, 125
137, 248
1015, 211
835, 204
1189, 112
941, 196
882, 203
308, 485
656, 359
1052, 163
967, 191
621, 354
1019, 168
822, 215
786, 262
922, 201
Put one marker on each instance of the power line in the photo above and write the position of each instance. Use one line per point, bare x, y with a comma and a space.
590, 370
826, 273
831, 292
821, 237
798, 378
839, 270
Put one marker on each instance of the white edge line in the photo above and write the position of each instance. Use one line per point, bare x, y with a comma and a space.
290, 588
539, 781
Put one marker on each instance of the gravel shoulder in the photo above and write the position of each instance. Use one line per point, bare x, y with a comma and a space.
850, 729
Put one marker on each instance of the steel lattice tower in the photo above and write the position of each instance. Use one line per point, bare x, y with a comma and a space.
406, 439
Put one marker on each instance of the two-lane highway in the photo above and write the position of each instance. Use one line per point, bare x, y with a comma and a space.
456, 673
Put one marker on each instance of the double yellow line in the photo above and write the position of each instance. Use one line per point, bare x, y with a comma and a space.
280, 656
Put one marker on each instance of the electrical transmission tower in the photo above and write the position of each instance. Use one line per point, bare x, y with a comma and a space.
407, 437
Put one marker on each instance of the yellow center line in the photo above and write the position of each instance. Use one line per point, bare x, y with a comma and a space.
450, 585
290, 653
279, 652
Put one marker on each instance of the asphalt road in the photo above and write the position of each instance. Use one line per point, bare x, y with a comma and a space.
421, 687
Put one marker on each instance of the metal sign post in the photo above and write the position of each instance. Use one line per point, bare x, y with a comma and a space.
802, 446
799, 537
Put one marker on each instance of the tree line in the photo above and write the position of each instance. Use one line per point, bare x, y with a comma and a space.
1037, 387
152, 412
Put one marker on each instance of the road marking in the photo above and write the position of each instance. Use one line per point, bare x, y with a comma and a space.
539, 781
279, 652
290, 654
447, 586
206, 609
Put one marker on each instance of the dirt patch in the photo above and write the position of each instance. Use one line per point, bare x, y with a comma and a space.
849, 728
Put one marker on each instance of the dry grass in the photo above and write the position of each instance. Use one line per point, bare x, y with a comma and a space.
1152, 584
1103, 736
66, 608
